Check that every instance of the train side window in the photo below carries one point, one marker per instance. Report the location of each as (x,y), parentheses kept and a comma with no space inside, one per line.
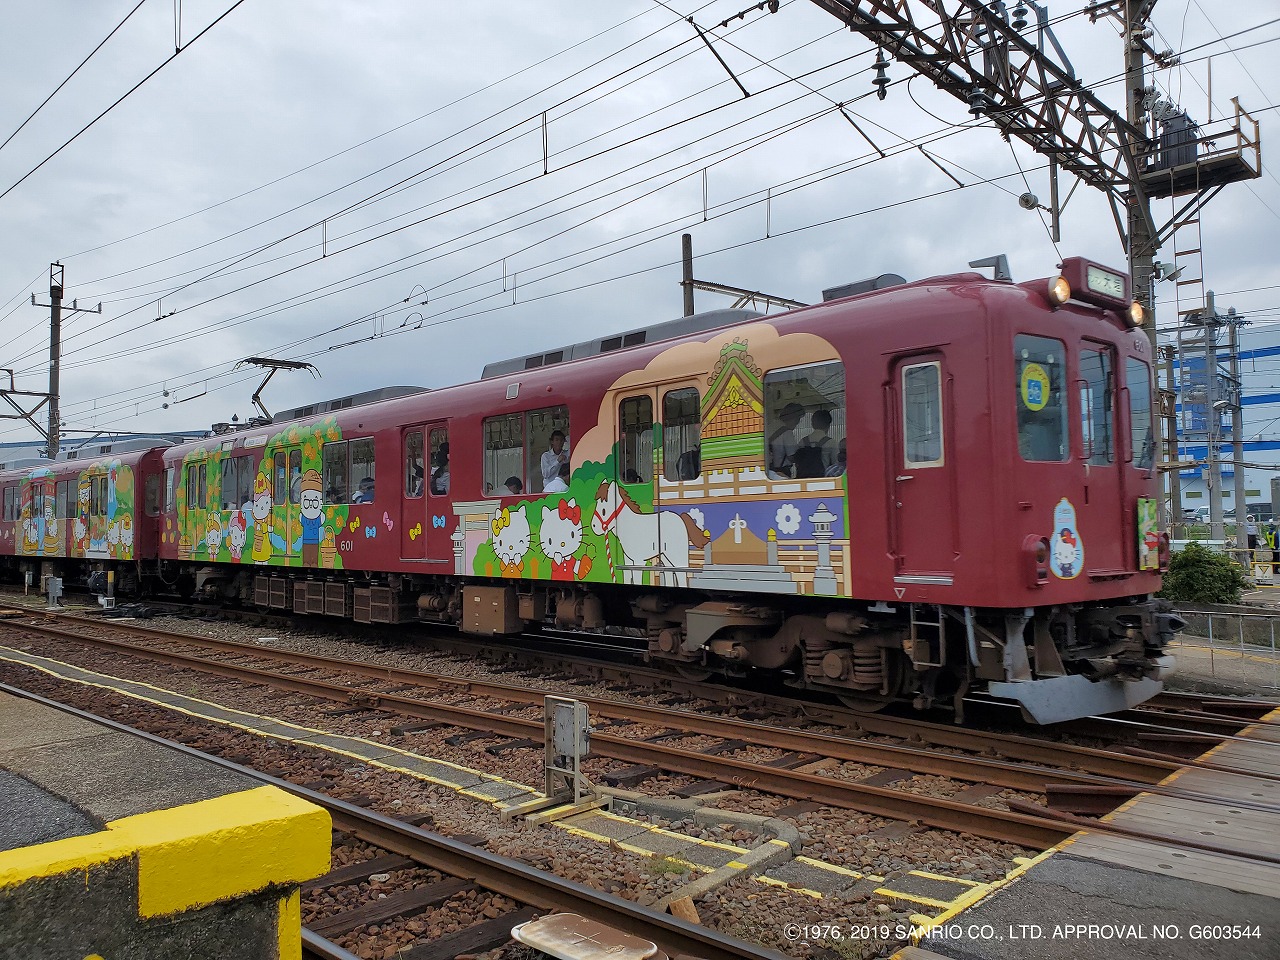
(922,415)
(439,485)
(168,490)
(8,503)
(362,467)
(1039,368)
(539,426)
(503,452)
(1097,390)
(61,501)
(99,494)
(151,503)
(681,434)
(336,486)
(635,423)
(1137,377)
(804,421)
(415,467)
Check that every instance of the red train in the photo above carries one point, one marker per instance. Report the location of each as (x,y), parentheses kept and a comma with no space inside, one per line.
(906,491)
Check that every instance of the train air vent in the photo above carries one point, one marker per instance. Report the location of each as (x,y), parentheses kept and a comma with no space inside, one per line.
(610,343)
(532,363)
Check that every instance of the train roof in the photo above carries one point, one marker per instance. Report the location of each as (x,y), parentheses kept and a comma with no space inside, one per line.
(669,330)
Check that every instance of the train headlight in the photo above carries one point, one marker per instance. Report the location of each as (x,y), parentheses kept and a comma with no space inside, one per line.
(1035,560)
(1059,291)
(1137,315)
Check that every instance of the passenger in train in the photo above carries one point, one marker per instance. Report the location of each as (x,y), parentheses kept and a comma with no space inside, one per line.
(514,485)
(440,475)
(816,452)
(560,482)
(554,458)
(782,442)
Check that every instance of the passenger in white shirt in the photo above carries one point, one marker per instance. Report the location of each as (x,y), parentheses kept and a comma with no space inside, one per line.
(560,482)
(554,458)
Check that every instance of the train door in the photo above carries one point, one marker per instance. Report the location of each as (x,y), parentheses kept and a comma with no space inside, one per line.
(921,462)
(1106,527)
(634,517)
(425,505)
(286,481)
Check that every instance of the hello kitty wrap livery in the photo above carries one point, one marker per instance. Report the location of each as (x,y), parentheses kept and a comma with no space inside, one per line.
(561,537)
(510,540)
(236,535)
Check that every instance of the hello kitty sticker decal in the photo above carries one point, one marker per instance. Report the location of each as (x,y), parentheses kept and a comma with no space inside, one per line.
(1066,548)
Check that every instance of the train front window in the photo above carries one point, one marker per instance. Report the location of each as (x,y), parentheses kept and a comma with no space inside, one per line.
(1039,368)
(1097,422)
(1137,377)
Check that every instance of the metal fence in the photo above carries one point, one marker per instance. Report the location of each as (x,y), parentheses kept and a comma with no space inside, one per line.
(1230,646)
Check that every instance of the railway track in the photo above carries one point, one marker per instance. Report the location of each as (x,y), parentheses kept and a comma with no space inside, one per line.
(468,867)
(1029,824)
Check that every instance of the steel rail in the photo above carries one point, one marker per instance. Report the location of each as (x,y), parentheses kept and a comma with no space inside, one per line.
(1026,828)
(502,875)
(1029,831)
(919,759)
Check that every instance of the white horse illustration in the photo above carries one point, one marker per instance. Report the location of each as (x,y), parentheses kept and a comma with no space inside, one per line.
(647,539)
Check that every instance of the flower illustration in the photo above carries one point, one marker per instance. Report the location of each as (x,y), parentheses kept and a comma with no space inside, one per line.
(788,518)
(696,516)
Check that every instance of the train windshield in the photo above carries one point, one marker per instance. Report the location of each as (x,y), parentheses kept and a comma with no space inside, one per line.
(1039,363)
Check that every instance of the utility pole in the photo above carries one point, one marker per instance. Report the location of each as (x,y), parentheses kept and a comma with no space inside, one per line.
(1142,238)
(1237,433)
(1213,468)
(53,437)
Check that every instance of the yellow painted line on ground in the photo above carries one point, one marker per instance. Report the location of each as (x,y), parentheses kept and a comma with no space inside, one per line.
(47,665)
(1228,652)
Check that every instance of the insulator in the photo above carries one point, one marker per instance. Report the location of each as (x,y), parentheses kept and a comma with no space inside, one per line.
(1019,16)
(881,80)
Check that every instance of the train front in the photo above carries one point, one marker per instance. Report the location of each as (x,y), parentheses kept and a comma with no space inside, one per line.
(1081,498)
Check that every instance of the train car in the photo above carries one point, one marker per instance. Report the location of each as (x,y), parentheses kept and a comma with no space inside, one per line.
(89,514)
(907,491)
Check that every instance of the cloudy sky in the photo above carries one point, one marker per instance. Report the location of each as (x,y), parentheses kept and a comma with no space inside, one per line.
(400,192)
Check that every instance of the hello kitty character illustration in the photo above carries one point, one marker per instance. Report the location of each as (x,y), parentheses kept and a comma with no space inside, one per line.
(561,537)
(236,535)
(126,535)
(1064,553)
(261,551)
(510,539)
(113,537)
(50,525)
(213,537)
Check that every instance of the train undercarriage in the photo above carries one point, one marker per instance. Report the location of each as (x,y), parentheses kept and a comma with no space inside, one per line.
(1058,663)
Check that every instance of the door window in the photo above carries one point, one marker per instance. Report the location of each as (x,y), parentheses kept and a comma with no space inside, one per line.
(414,465)
(635,456)
(1097,389)
(922,415)
(681,432)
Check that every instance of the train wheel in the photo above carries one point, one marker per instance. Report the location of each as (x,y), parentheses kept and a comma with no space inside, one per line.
(185,586)
(863,704)
(692,672)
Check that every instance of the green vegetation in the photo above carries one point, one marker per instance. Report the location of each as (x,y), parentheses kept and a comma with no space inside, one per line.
(662,865)
(1199,575)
